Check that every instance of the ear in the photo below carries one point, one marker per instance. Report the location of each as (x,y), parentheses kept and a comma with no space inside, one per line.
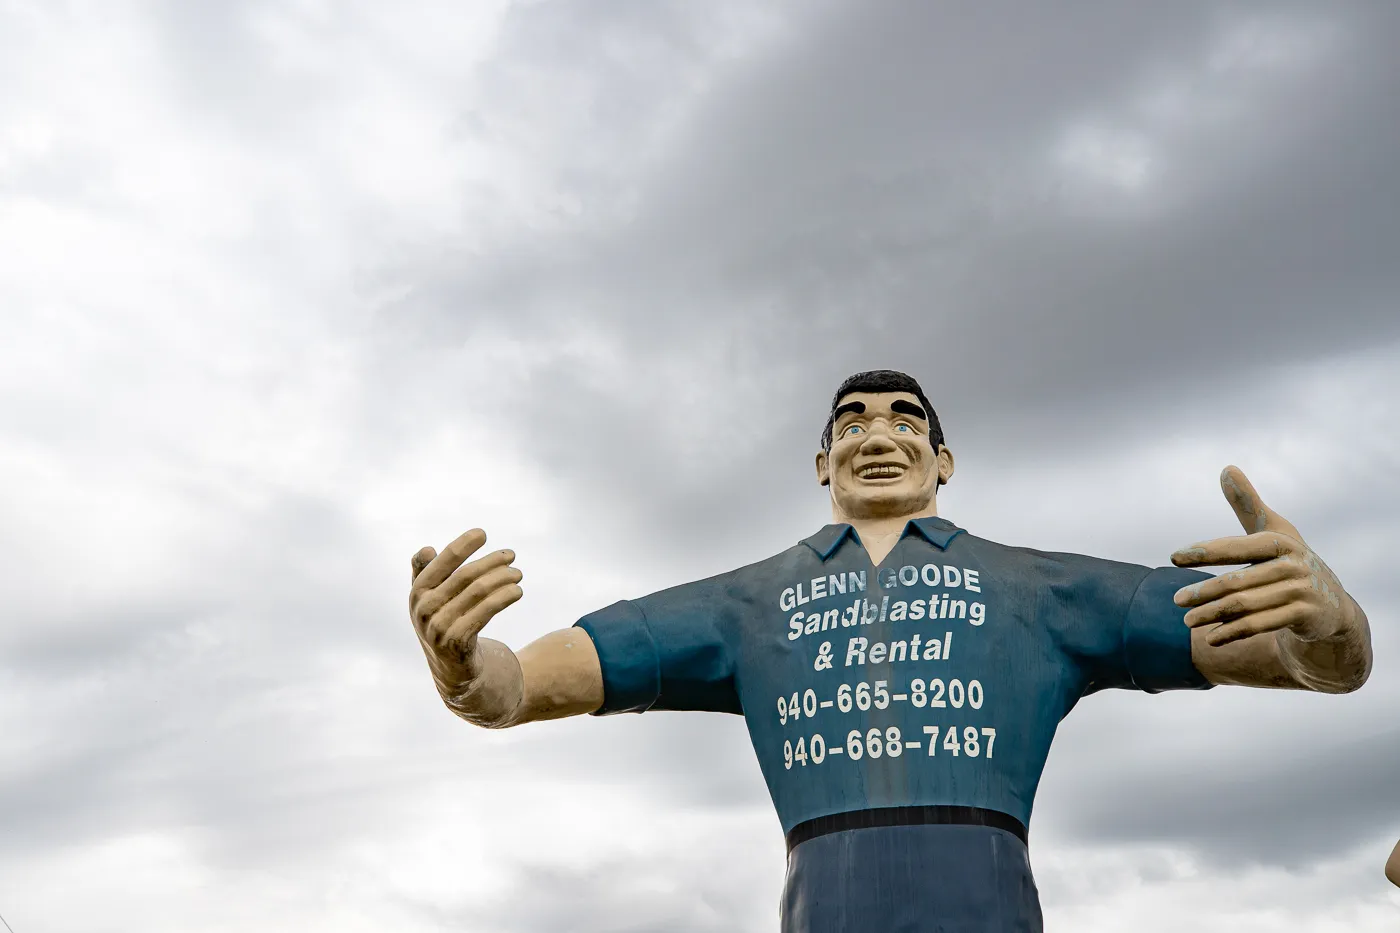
(823,469)
(945,465)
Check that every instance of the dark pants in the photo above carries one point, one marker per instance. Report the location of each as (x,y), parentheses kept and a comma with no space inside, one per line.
(911,879)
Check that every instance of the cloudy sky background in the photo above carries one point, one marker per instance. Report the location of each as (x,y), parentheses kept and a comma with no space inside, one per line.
(291,289)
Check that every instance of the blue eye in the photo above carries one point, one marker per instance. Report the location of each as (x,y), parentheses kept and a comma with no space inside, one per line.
(853,429)
(903,427)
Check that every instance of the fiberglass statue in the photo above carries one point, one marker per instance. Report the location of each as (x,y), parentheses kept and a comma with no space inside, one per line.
(902,678)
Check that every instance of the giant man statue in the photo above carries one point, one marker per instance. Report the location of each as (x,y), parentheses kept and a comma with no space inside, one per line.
(902,678)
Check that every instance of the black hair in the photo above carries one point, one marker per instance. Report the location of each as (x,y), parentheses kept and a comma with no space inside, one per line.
(883,380)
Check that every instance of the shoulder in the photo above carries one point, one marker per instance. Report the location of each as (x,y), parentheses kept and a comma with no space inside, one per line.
(1052,566)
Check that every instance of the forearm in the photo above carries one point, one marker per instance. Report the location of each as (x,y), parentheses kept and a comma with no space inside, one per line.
(562,676)
(1339,663)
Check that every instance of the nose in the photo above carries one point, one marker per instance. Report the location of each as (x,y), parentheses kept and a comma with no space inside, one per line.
(877,440)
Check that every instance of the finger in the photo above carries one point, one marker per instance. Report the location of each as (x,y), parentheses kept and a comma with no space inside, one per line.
(442,594)
(421,560)
(1257,623)
(1238,605)
(451,558)
(475,619)
(442,620)
(1212,588)
(1244,549)
(1249,508)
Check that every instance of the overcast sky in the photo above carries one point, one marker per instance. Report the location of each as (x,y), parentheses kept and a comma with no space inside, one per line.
(291,289)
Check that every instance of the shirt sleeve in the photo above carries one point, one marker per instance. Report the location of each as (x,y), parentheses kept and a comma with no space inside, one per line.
(1119,622)
(666,651)
(1156,641)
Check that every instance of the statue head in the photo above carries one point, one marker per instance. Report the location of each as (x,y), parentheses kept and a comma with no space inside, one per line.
(882,449)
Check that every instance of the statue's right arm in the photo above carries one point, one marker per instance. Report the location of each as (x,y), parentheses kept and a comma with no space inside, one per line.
(1392,866)
(482,680)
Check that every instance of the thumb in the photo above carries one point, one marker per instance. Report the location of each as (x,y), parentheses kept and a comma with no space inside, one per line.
(422,559)
(1253,514)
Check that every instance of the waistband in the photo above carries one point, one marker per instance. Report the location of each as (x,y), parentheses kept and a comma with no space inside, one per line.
(905,816)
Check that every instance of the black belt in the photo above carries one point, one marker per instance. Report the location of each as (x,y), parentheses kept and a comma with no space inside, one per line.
(905,816)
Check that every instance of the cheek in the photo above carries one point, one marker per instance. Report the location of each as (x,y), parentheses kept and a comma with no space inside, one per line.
(919,454)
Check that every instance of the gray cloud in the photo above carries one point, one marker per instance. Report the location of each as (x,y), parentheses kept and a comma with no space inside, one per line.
(779,236)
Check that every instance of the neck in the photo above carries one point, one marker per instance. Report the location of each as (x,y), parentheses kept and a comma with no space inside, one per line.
(880,534)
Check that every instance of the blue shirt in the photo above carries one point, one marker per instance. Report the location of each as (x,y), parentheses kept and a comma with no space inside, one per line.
(933,683)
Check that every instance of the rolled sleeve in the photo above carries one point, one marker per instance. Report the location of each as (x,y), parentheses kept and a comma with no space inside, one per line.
(628,657)
(1157,643)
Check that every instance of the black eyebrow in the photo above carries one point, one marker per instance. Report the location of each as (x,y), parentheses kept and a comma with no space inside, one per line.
(857,408)
(908,408)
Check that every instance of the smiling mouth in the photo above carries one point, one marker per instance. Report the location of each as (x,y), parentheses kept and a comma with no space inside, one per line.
(878,471)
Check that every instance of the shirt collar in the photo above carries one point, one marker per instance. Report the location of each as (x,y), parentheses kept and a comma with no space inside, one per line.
(937,531)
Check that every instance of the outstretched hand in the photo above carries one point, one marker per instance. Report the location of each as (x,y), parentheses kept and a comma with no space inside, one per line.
(450,602)
(1285,586)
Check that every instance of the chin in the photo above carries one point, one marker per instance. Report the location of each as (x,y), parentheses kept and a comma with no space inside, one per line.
(871,503)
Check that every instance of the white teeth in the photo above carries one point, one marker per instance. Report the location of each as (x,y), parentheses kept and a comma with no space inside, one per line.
(873,471)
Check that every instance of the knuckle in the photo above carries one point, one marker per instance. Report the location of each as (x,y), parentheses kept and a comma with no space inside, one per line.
(433,634)
(428,611)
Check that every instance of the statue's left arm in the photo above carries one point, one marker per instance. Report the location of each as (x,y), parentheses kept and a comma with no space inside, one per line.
(1282,621)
